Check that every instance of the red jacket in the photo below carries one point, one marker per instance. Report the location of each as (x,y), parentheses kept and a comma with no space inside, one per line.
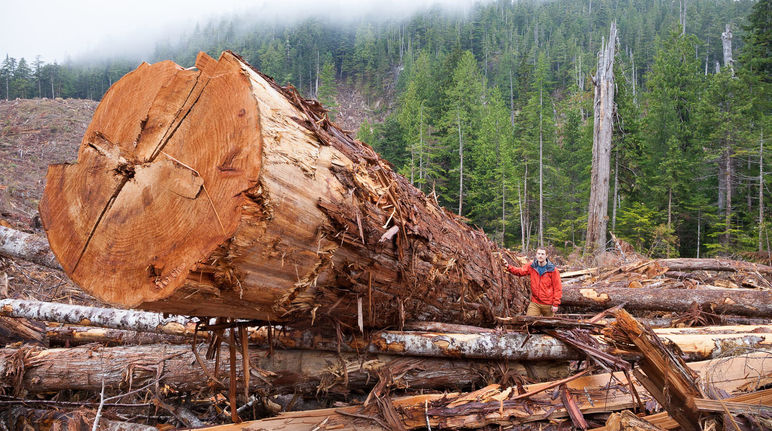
(545,289)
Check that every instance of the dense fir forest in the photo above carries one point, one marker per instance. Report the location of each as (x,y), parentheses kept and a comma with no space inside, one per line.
(474,97)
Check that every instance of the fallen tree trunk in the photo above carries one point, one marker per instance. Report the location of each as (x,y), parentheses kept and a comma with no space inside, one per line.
(77,335)
(214,192)
(509,345)
(22,245)
(97,316)
(691,264)
(14,330)
(283,371)
(753,303)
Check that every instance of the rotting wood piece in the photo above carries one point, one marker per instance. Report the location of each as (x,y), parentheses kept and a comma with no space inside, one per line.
(284,371)
(15,330)
(667,377)
(742,302)
(214,192)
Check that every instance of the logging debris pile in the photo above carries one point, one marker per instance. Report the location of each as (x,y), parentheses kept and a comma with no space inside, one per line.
(331,294)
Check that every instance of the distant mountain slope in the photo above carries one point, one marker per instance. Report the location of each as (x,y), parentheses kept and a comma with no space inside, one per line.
(33,134)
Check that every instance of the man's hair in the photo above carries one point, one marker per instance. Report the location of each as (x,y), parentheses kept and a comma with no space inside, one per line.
(541,248)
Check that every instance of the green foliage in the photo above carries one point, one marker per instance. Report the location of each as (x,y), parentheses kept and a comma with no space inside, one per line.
(489,83)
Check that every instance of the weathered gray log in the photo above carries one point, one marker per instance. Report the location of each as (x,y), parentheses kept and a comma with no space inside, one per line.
(509,345)
(689,264)
(22,245)
(743,302)
(103,317)
(284,371)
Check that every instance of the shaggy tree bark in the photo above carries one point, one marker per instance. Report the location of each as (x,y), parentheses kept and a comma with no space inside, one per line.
(597,217)
(214,192)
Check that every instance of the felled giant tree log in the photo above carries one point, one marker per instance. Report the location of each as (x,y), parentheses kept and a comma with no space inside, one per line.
(743,302)
(214,192)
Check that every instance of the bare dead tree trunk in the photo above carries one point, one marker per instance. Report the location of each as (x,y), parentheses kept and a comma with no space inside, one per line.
(597,218)
(460,165)
(761,187)
(726,40)
(682,16)
(728,201)
(616,191)
(541,176)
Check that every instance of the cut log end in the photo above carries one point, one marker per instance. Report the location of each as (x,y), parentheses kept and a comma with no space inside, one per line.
(159,181)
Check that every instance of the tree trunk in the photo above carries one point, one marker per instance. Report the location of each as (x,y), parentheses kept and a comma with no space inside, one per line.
(742,302)
(616,192)
(686,264)
(215,192)
(22,245)
(284,371)
(597,218)
(96,316)
(15,330)
(541,176)
(761,189)
(726,42)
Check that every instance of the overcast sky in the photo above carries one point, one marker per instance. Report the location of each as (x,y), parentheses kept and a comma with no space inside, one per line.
(68,29)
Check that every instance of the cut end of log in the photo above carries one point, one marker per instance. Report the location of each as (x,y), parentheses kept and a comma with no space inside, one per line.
(159,181)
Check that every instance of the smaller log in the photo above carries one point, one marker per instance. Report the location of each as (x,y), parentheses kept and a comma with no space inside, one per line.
(15,330)
(22,245)
(691,264)
(752,303)
(103,317)
(68,336)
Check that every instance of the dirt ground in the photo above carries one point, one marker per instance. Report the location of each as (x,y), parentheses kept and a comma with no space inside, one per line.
(33,134)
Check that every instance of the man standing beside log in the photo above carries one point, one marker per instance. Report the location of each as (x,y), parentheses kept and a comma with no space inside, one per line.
(546,288)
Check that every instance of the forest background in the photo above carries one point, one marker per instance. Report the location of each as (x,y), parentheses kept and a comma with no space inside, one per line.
(490,111)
